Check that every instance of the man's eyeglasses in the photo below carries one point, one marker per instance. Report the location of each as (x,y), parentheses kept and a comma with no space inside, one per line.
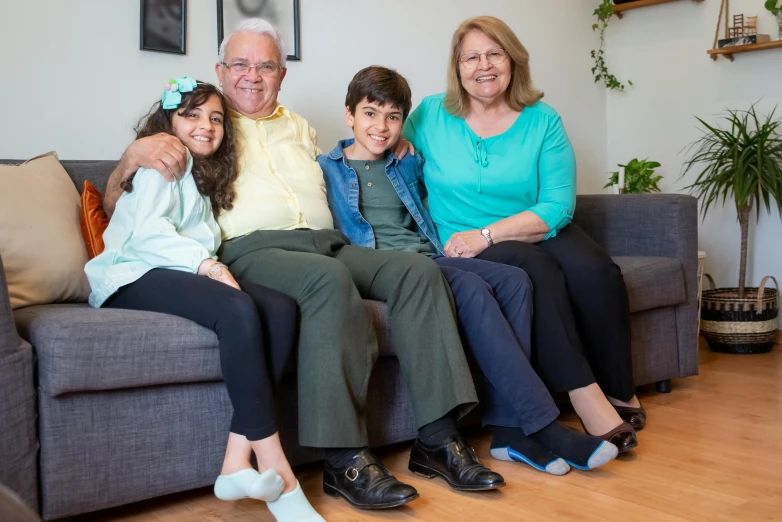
(241,68)
(493,56)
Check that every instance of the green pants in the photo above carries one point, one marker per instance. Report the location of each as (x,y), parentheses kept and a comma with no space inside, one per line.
(337,343)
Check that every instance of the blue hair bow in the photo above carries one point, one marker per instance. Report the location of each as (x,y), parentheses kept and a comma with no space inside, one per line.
(172,96)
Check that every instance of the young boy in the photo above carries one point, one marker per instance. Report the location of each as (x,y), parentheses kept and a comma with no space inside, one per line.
(377,202)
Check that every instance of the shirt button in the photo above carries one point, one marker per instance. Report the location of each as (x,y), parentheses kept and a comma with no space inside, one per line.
(359,220)
(353,185)
(369,184)
(366,167)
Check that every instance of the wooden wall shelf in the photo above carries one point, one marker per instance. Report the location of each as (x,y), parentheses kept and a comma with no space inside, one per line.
(618,9)
(728,52)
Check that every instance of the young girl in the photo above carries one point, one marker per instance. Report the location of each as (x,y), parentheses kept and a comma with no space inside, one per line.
(160,257)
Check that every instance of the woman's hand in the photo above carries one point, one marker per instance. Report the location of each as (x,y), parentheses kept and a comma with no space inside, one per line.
(217,271)
(466,244)
(402,147)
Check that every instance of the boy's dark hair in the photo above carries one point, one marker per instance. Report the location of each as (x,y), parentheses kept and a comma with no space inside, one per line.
(214,175)
(379,85)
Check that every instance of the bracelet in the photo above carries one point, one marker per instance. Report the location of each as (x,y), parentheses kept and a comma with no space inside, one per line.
(215,271)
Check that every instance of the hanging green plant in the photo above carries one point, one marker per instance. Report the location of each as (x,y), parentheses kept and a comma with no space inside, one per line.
(603,13)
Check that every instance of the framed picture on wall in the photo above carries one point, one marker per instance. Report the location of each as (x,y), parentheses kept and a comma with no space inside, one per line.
(283,14)
(163,26)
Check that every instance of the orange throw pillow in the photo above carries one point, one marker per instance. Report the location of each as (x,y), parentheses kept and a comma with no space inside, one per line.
(93,219)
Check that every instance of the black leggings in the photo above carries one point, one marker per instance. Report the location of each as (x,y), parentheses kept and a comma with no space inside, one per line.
(256,331)
(581,313)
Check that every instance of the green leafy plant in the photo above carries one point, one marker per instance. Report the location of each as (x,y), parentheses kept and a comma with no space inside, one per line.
(603,13)
(639,177)
(741,161)
(774,6)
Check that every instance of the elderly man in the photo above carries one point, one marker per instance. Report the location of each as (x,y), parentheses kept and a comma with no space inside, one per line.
(280,234)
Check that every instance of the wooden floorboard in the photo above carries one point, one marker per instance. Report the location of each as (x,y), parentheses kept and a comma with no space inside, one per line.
(712,452)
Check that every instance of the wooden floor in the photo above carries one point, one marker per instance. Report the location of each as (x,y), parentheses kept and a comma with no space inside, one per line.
(712,452)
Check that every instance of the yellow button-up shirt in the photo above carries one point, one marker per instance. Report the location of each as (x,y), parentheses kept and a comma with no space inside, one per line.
(280,185)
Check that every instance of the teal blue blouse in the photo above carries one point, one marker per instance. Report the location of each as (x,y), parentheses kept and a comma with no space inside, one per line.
(473,181)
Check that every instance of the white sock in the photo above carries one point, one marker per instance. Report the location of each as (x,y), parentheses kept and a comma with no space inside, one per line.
(294,507)
(248,483)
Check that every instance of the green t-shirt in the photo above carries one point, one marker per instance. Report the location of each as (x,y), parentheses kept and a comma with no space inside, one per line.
(381,206)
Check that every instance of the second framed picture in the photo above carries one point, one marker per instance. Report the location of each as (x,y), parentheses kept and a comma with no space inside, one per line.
(283,14)
(163,26)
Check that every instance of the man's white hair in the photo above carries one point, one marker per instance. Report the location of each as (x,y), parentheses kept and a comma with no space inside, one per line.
(258,26)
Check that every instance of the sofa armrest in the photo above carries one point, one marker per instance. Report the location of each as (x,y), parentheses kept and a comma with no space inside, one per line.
(664,225)
(18,440)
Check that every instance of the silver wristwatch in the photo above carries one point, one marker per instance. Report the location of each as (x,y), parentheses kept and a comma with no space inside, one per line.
(487,235)
(215,271)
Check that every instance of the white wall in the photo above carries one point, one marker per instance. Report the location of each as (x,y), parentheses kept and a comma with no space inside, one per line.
(662,49)
(76,81)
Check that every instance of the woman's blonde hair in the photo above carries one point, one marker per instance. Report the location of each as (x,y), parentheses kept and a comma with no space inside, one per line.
(520,93)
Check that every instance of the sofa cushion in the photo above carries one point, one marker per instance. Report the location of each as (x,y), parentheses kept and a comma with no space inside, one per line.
(81,348)
(652,282)
(93,220)
(40,237)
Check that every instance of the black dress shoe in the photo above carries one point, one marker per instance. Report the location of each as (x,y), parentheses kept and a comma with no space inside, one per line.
(456,462)
(367,484)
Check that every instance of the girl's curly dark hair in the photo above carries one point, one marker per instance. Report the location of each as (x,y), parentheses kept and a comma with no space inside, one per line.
(214,175)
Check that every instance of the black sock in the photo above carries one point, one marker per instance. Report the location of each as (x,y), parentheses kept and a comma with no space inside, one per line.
(573,446)
(531,452)
(340,457)
(437,432)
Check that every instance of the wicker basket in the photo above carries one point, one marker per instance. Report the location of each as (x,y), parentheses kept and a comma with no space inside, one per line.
(734,325)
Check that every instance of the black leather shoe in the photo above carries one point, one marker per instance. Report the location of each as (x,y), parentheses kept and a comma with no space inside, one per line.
(456,462)
(367,484)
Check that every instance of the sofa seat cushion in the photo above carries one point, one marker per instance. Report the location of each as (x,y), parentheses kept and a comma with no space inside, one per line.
(652,282)
(81,348)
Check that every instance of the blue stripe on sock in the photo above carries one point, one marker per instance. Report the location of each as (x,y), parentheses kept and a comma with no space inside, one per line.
(518,457)
(586,468)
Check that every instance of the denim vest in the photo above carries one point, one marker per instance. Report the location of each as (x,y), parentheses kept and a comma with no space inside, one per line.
(342,194)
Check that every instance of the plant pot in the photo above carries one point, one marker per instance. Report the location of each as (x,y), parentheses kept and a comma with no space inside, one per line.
(734,325)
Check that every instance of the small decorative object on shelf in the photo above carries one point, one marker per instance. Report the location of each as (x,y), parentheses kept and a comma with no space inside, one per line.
(743,40)
(743,36)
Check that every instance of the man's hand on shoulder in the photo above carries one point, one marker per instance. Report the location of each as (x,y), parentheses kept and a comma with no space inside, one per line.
(162,152)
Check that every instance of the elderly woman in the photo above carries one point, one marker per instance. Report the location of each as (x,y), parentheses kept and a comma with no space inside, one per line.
(501,177)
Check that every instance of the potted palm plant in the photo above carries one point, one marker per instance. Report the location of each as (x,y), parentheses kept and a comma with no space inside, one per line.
(741,160)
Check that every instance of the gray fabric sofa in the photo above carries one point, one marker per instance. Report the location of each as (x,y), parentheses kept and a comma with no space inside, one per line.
(106,407)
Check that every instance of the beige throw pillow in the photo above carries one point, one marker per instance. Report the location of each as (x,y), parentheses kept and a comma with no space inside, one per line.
(40,236)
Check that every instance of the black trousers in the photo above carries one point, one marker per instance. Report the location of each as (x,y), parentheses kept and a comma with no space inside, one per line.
(256,331)
(581,313)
